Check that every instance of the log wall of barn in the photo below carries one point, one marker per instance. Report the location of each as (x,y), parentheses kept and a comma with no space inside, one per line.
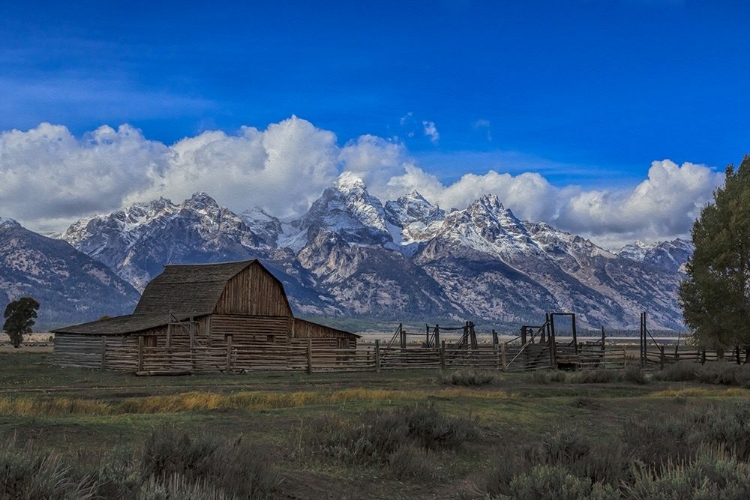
(82,351)
(250,330)
(253,292)
(323,336)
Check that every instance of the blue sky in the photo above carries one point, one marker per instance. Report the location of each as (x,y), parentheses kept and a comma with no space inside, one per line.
(583,92)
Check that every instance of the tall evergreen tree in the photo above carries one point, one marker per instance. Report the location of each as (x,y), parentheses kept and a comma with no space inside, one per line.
(715,299)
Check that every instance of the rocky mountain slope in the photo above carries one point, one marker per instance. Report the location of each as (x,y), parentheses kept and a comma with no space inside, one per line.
(69,285)
(352,255)
(670,255)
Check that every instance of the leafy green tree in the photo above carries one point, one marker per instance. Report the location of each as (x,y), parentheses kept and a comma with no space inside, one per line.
(19,318)
(715,299)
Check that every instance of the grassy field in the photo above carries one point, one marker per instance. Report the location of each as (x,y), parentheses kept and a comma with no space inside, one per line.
(310,428)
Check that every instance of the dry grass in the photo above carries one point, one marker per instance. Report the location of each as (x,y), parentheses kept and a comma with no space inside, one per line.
(209,401)
(700,392)
(56,407)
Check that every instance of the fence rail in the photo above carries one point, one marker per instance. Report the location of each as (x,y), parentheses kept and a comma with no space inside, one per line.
(237,358)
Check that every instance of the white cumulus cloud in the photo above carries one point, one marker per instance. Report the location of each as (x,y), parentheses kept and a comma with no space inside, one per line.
(431,131)
(49,178)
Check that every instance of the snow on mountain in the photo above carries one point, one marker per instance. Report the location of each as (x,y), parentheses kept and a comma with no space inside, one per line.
(412,220)
(670,255)
(347,209)
(70,286)
(267,227)
(7,222)
(352,255)
(138,241)
(530,267)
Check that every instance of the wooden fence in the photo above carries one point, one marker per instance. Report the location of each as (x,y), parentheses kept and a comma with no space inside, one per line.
(661,356)
(243,359)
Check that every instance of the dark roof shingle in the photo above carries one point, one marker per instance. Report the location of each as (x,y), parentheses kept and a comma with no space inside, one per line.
(121,325)
(190,289)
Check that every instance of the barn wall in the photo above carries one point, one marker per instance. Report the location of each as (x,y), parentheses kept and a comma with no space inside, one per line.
(324,336)
(249,330)
(253,292)
(82,351)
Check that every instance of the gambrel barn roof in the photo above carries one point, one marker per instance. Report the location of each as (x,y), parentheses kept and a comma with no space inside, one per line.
(193,290)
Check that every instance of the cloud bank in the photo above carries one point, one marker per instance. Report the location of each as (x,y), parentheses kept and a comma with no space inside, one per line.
(49,178)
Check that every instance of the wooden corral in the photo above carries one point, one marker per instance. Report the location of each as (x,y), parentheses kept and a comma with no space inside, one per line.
(204,317)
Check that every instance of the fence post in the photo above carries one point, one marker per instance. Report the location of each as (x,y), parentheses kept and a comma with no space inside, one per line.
(504,355)
(495,339)
(229,353)
(377,355)
(497,355)
(437,335)
(309,356)
(661,357)
(104,352)
(140,353)
(442,356)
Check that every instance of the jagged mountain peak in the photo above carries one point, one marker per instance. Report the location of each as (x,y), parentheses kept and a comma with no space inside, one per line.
(200,200)
(8,222)
(488,212)
(349,182)
(348,209)
(266,226)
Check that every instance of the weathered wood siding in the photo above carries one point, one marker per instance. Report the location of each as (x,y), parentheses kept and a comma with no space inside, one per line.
(336,338)
(83,351)
(253,292)
(250,330)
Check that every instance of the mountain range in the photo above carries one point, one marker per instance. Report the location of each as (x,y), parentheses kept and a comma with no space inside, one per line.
(351,255)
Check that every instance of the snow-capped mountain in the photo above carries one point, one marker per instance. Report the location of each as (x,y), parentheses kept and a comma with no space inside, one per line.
(138,241)
(412,220)
(347,209)
(69,285)
(352,255)
(670,255)
(265,226)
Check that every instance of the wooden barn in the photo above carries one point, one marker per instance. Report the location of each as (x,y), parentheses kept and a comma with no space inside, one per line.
(207,317)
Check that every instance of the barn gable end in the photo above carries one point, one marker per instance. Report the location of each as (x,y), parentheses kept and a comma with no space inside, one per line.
(253,291)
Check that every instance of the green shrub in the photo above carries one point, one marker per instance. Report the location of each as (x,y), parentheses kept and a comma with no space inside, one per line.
(655,442)
(716,372)
(179,487)
(682,371)
(29,474)
(546,377)
(712,474)
(555,482)
(576,453)
(410,462)
(468,378)
(233,468)
(118,475)
(382,433)
(635,374)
